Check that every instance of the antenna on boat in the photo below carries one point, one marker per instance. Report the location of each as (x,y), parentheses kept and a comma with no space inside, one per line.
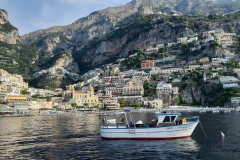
(202,129)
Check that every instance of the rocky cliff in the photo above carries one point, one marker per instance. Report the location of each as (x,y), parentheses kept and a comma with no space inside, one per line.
(202,93)
(45,69)
(8,33)
(59,71)
(112,33)
(92,29)
(155,33)
(3,17)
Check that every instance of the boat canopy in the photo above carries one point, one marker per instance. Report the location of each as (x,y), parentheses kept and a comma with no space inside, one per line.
(167,117)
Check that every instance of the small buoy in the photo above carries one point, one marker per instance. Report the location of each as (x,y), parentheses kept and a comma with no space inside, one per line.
(222,134)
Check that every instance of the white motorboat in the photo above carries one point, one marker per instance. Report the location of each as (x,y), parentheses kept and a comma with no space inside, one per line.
(227,111)
(215,111)
(202,111)
(165,127)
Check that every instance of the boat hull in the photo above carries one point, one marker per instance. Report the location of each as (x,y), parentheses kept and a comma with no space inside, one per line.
(149,133)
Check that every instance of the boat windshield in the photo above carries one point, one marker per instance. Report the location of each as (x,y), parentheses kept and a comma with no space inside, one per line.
(169,119)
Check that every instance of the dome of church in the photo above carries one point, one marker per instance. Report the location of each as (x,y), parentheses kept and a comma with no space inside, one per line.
(90,88)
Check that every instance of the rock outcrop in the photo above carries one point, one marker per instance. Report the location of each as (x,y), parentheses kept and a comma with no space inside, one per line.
(3,17)
(201,93)
(8,33)
(62,72)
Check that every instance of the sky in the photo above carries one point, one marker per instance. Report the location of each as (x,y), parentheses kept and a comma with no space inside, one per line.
(32,15)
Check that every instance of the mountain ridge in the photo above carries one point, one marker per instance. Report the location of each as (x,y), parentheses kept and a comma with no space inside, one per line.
(98,23)
(109,34)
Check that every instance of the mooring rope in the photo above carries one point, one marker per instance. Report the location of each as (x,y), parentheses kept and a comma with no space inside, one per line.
(203,129)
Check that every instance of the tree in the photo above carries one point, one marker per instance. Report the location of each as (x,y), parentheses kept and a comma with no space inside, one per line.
(48,99)
(156,77)
(135,105)
(86,104)
(74,105)
(122,103)
(95,106)
(25,92)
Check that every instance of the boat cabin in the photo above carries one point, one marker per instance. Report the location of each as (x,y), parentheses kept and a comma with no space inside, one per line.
(166,119)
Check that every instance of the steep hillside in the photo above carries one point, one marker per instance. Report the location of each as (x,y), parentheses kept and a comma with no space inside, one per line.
(109,34)
(150,30)
(33,62)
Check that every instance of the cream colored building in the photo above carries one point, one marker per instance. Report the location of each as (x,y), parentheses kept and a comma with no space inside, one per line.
(4,88)
(134,87)
(81,97)
(17,99)
(13,79)
(204,60)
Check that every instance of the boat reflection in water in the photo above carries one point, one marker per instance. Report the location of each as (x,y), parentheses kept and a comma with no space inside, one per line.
(186,148)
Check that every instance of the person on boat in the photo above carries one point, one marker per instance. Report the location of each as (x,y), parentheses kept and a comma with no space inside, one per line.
(122,121)
(103,121)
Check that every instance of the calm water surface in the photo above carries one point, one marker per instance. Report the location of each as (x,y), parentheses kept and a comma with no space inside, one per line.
(77,137)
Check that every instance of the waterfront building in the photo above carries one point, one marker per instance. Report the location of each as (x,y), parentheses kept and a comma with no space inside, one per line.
(131,100)
(17,99)
(156,103)
(81,97)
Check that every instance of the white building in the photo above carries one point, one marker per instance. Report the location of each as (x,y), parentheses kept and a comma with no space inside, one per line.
(235,99)
(156,103)
(151,50)
(220,60)
(182,40)
(166,71)
(171,44)
(192,39)
(208,39)
(160,45)
(164,88)
(229,81)
(195,48)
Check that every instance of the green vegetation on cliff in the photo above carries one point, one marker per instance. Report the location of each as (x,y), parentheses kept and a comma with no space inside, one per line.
(21,59)
(7,27)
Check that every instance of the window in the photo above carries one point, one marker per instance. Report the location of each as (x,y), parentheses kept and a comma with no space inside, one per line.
(166,119)
(172,118)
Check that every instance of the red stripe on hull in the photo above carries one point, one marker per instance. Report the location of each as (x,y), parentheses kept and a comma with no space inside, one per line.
(144,138)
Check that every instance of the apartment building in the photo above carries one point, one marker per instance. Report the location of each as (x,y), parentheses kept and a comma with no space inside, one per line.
(148,64)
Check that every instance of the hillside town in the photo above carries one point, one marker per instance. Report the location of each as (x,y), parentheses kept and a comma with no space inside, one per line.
(110,88)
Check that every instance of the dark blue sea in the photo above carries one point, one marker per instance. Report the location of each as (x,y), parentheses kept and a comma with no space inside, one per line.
(71,136)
